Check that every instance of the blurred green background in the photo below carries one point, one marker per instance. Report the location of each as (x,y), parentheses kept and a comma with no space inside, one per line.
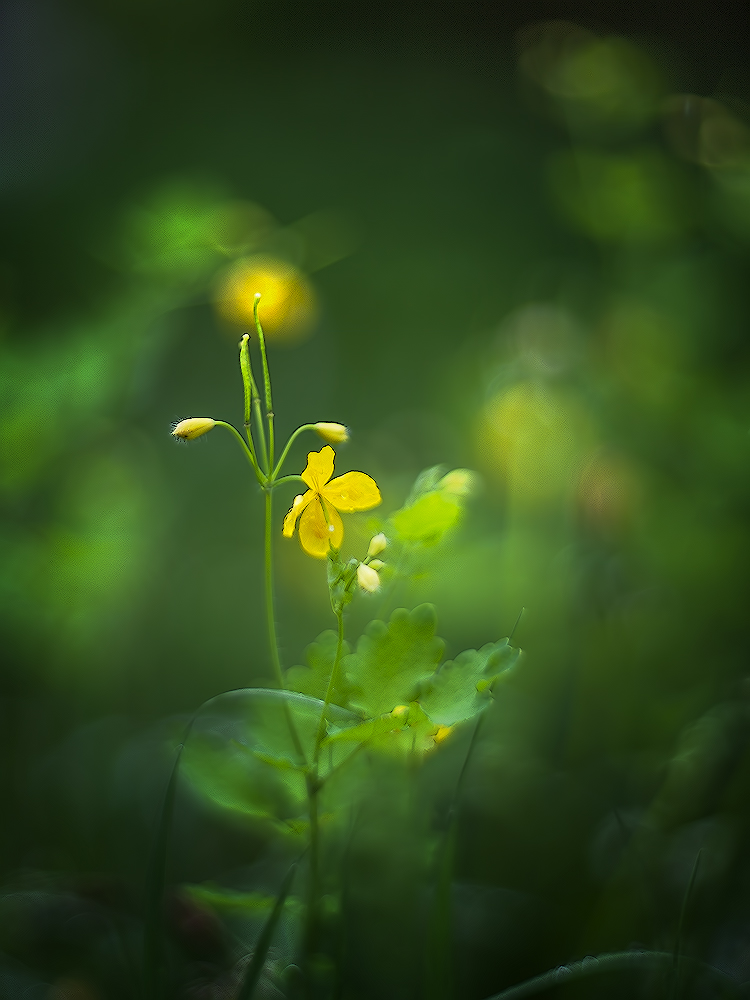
(516,242)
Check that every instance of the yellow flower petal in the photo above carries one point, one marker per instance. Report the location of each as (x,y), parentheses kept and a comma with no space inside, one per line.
(352,491)
(316,533)
(290,521)
(319,468)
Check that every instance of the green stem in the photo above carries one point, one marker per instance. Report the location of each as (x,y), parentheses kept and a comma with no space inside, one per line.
(288,445)
(313,885)
(330,689)
(314,785)
(249,455)
(286,479)
(251,396)
(266,380)
(258,414)
(270,615)
(271,623)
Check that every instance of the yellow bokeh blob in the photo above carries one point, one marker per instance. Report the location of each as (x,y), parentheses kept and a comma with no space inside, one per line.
(288,306)
(530,437)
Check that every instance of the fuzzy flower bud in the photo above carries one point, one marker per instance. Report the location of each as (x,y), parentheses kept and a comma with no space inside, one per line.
(376,564)
(367,578)
(193,427)
(377,545)
(332,433)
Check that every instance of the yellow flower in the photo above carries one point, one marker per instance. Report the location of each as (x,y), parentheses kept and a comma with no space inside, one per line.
(320,525)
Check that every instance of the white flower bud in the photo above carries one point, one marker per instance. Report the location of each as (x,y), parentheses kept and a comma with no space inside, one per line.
(332,433)
(377,545)
(193,427)
(367,578)
(376,564)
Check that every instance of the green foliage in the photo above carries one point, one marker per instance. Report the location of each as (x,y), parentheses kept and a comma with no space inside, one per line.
(428,519)
(405,731)
(392,660)
(313,679)
(463,687)
(230,901)
(243,756)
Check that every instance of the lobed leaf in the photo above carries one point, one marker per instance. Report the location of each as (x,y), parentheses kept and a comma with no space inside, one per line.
(406,730)
(313,679)
(392,661)
(462,687)
(242,755)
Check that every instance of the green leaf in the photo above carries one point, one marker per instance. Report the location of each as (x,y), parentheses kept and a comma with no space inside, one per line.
(313,679)
(462,687)
(406,730)
(241,755)
(255,968)
(229,900)
(233,777)
(426,482)
(392,660)
(428,519)
(365,731)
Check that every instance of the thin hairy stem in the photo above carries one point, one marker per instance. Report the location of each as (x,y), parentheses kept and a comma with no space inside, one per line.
(249,455)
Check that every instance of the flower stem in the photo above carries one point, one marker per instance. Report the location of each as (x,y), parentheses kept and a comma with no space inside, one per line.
(249,455)
(271,623)
(288,445)
(314,784)
(258,413)
(270,615)
(331,686)
(286,479)
(252,398)
(267,382)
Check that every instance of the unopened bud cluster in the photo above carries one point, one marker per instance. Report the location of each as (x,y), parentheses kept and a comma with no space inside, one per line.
(367,571)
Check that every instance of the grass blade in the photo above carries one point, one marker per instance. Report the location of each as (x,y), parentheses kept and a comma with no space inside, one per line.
(623,961)
(153,935)
(257,962)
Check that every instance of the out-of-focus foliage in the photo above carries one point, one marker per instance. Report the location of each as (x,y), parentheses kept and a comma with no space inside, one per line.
(535,266)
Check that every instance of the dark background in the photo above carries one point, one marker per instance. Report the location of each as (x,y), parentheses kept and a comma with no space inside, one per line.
(130,583)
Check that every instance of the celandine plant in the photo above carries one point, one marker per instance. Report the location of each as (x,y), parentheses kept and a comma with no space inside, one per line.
(294,758)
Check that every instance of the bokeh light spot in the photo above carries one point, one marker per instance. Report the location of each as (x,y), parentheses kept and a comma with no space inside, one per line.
(530,437)
(288,307)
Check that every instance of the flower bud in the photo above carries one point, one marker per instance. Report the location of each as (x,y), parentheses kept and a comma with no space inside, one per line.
(377,545)
(442,733)
(400,712)
(376,564)
(193,427)
(367,578)
(332,433)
